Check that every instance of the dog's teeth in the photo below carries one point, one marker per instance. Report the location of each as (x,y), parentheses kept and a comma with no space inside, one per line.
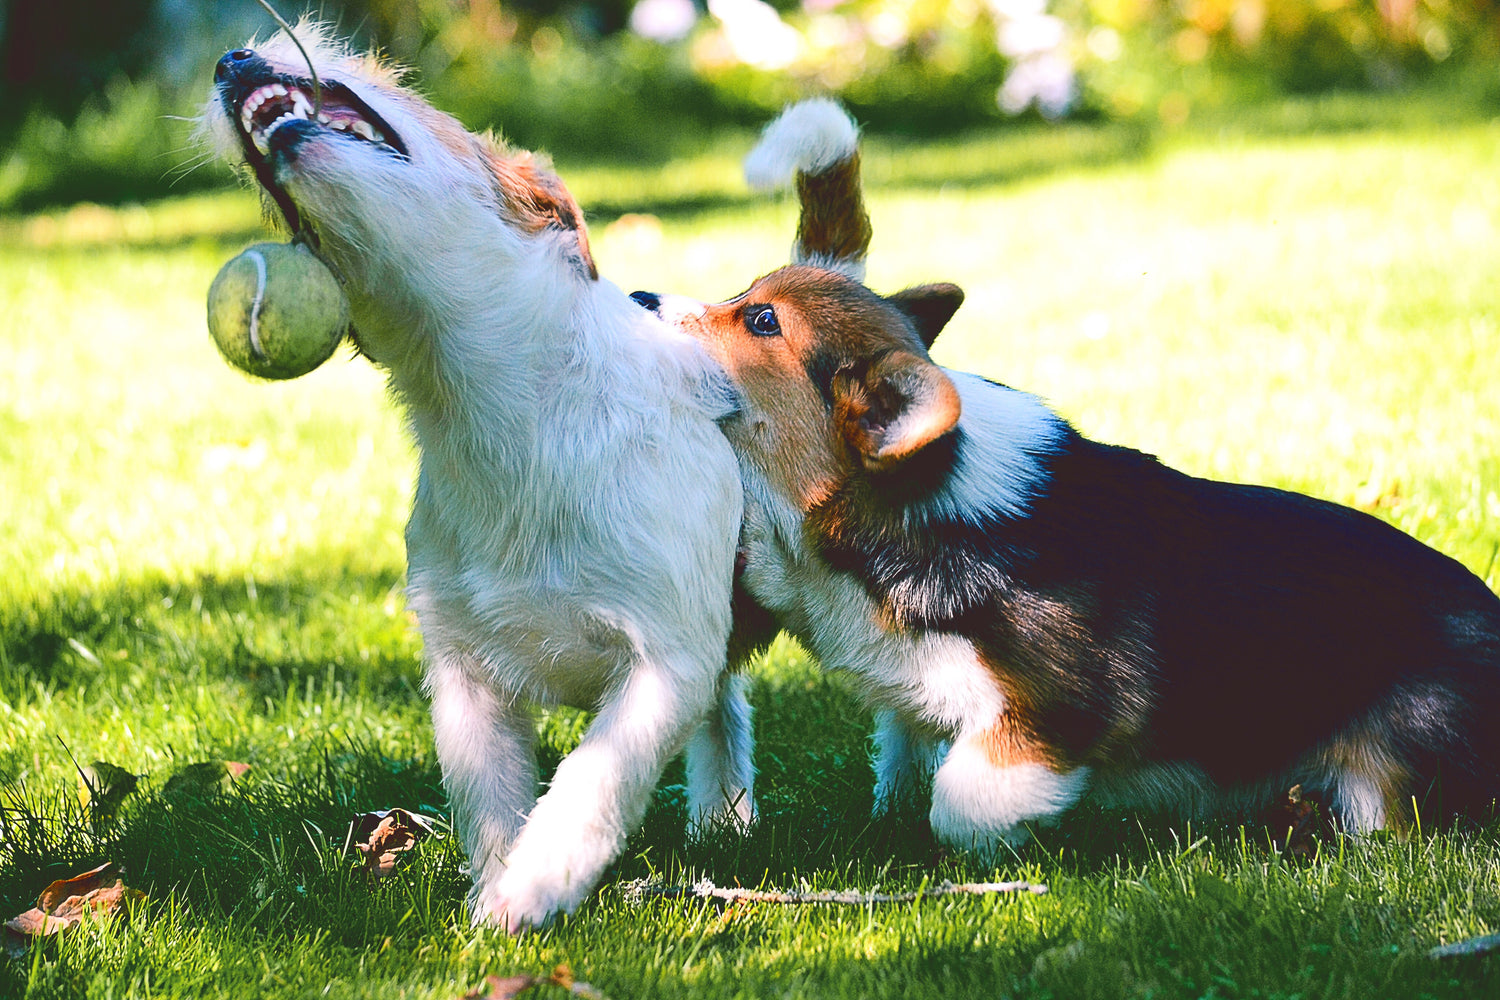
(278,90)
(261,142)
(323,119)
(364,130)
(339,126)
(301,105)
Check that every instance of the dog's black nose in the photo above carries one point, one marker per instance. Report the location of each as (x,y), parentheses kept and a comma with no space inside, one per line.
(648,300)
(234,63)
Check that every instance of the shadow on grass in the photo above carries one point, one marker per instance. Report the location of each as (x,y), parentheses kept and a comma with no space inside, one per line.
(325,620)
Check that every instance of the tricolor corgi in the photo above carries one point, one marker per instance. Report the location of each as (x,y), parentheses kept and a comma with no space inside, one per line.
(573,534)
(1040,617)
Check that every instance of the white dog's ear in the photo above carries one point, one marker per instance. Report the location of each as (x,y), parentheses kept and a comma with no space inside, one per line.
(535,198)
(929,307)
(892,408)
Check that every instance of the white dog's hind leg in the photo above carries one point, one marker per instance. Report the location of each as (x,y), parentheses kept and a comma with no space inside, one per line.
(598,795)
(486,746)
(980,804)
(720,768)
(904,761)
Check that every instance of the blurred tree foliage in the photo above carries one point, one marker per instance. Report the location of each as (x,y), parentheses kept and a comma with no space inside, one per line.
(88,88)
(1161,56)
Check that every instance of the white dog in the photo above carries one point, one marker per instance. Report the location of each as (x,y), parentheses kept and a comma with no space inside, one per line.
(573,533)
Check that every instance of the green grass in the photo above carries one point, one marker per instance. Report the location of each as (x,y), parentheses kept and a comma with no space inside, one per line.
(198,567)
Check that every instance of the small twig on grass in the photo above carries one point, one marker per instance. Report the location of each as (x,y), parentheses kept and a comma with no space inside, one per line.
(853,897)
(1482,945)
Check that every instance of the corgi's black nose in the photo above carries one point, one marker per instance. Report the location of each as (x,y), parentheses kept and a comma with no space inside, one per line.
(647,300)
(235,64)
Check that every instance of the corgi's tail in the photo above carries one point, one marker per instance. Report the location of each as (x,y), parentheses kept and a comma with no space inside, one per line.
(816,143)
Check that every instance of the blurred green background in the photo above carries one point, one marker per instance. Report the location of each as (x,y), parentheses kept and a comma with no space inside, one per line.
(1256,237)
(97,98)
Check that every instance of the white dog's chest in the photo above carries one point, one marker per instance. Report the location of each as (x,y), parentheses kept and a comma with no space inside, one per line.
(560,565)
(518,596)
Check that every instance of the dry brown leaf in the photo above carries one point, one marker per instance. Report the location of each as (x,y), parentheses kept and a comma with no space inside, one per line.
(1299,823)
(104,787)
(386,835)
(35,923)
(64,903)
(78,885)
(495,988)
(203,780)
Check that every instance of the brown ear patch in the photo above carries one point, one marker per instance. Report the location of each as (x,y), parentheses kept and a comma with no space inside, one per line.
(535,199)
(893,407)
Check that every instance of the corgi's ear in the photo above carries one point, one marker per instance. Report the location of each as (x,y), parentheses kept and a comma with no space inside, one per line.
(929,307)
(892,408)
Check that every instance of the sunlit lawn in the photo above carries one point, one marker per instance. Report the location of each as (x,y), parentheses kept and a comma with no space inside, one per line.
(197,567)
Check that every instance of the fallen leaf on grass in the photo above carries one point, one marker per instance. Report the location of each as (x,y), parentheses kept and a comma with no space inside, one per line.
(496,988)
(510,987)
(105,786)
(64,903)
(1299,823)
(384,835)
(203,780)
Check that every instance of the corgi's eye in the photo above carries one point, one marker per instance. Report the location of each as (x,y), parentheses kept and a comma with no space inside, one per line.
(761,321)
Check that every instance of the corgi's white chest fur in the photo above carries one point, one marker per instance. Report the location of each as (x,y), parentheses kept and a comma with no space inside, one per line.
(934,681)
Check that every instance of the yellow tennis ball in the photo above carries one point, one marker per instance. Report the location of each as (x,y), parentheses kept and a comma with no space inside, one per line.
(276,311)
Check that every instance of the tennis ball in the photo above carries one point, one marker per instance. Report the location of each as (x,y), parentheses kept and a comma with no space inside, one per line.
(276,311)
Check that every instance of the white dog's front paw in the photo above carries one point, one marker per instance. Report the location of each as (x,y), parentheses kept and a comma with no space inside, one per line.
(517,904)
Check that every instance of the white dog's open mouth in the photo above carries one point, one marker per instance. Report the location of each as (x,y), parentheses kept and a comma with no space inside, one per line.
(271,107)
(275,114)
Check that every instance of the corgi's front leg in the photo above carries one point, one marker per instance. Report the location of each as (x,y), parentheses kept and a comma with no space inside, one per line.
(985,793)
(720,767)
(904,761)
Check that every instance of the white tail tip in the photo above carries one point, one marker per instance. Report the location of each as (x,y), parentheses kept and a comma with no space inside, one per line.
(808,137)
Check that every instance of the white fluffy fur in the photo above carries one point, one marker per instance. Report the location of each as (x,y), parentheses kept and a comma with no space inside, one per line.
(573,532)
(999,467)
(981,807)
(810,137)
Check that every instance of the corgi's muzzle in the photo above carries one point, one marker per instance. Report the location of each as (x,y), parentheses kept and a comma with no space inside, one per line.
(275,117)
